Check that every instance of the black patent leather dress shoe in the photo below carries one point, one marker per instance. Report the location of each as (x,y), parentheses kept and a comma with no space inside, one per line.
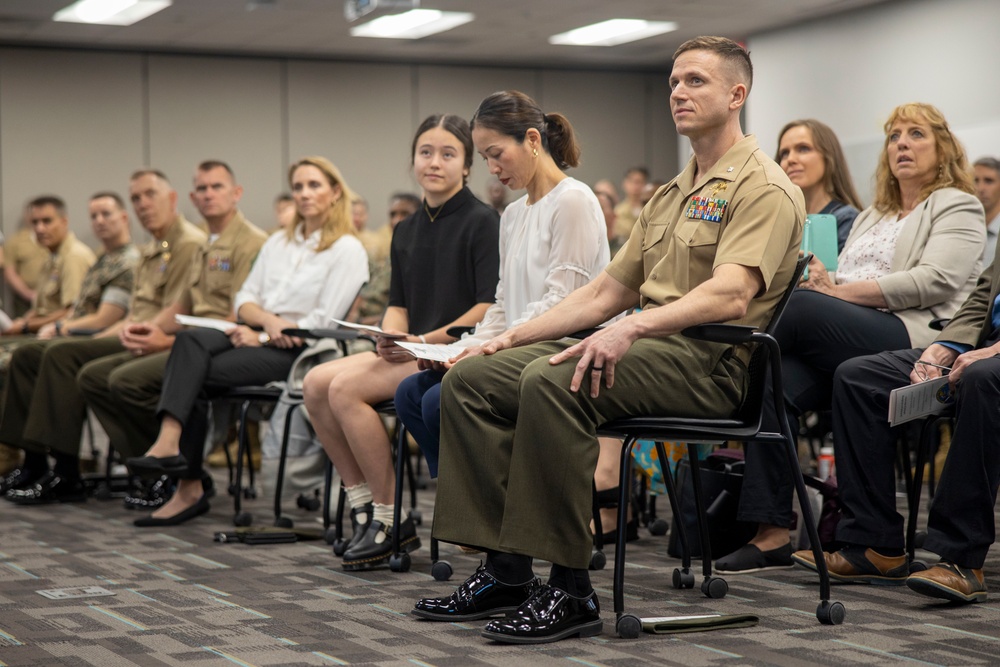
(50,488)
(480,596)
(549,615)
(361,518)
(375,546)
(199,508)
(18,478)
(154,466)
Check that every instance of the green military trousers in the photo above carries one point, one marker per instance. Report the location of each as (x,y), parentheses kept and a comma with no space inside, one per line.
(519,449)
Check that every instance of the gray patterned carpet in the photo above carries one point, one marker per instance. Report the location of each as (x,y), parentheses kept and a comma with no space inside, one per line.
(179,598)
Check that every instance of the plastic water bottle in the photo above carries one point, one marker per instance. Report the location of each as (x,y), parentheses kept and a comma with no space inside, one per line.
(825,462)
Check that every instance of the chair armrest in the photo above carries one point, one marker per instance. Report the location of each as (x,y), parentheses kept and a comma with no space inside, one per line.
(732,334)
(336,334)
(458,332)
(84,332)
(938,324)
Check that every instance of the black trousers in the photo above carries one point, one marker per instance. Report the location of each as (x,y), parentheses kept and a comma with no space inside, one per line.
(960,525)
(817,333)
(203,365)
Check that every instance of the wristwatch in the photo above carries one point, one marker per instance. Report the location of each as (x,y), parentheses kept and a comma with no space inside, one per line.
(263,338)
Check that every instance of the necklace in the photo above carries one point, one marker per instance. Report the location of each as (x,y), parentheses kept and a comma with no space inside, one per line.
(433,216)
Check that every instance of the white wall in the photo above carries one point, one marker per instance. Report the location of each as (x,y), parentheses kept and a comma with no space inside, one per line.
(851,71)
(74,122)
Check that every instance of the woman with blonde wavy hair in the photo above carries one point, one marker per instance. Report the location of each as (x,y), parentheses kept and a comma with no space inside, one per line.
(906,262)
(302,278)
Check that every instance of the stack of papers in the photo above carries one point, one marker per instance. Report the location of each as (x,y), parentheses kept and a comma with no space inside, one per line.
(432,352)
(914,401)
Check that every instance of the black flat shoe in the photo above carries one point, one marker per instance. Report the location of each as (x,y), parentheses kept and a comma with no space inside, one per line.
(375,546)
(153,466)
(549,615)
(50,488)
(361,518)
(18,478)
(480,596)
(195,510)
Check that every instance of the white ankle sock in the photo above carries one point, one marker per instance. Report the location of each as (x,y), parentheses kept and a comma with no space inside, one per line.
(383,513)
(358,495)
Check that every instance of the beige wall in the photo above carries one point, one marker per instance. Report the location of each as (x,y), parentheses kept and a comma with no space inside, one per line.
(74,122)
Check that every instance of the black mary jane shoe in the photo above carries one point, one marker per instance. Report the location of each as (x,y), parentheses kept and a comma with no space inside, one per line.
(199,508)
(18,478)
(50,488)
(155,466)
(479,596)
(361,518)
(375,546)
(549,615)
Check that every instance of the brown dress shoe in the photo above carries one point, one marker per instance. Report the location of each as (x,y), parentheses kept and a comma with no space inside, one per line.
(949,582)
(858,565)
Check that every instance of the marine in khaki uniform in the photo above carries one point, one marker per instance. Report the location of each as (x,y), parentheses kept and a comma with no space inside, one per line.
(69,260)
(518,439)
(24,259)
(123,390)
(53,422)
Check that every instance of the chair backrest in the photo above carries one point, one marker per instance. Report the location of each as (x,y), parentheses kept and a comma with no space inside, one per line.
(750,410)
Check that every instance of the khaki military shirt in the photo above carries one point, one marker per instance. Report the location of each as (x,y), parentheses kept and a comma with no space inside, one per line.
(27,257)
(110,280)
(164,272)
(743,211)
(221,268)
(63,276)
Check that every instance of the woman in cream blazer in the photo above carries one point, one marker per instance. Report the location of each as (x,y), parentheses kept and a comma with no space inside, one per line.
(911,257)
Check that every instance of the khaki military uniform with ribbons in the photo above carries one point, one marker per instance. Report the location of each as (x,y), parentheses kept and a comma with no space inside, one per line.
(63,276)
(519,449)
(123,390)
(48,410)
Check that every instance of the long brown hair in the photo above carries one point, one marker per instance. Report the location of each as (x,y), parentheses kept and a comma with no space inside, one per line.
(512,113)
(338,220)
(836,176)
(953,165)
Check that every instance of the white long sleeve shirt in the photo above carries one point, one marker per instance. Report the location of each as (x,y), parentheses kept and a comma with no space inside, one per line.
(293,281)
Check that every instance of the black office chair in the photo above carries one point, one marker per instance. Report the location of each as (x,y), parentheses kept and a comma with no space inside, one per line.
(745,425)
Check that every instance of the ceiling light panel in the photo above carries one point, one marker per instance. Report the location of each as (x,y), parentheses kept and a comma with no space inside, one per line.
(413,24)
(612,32)
(110,12)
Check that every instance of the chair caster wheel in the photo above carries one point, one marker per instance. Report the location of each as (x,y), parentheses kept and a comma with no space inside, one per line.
(250,493)
(243,519)
(102,492)
(918,539)
(330,535)
(339,547)
(441,570)
(416,517)
(830,613)
(628,626)
(714,587)
(917,566)
(598,560)
(659,527)
(231,489)
(400,563)
(283,522)
(683,578)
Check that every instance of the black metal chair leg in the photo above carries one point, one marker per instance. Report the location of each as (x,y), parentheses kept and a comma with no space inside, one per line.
(624,476)
(699,504)
(279,482)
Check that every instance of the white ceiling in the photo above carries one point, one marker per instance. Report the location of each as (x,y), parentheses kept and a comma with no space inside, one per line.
(505,32)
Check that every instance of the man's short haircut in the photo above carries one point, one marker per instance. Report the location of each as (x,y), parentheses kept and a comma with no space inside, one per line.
(49,200)
(284,197)
(989,163)
(209,165)
(149,171)
(358,199)
(119,202)
(731,53)
(407,197)
(638,170)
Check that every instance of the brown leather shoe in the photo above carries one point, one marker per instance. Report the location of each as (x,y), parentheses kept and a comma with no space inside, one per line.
(949,582)
(858,565)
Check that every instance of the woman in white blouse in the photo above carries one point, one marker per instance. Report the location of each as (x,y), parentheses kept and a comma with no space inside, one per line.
(910,258)
(303,278)
(552,241)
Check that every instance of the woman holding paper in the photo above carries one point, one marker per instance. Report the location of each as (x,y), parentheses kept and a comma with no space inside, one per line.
(811,156)
(302,278)
(444,274)
(906,262)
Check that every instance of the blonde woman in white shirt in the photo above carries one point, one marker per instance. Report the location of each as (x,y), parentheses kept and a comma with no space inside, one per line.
(302,278)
